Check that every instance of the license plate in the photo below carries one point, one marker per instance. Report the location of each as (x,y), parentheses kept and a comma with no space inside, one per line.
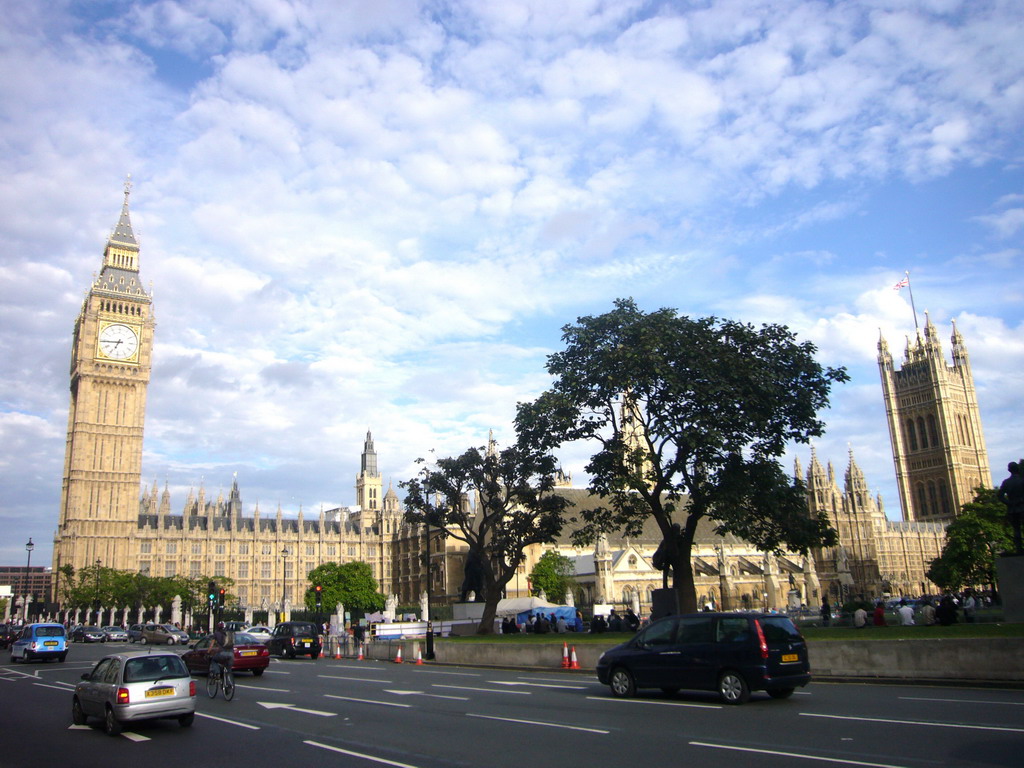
(51,643)
(152,692)
(790,657)
(305,641)
(247,653)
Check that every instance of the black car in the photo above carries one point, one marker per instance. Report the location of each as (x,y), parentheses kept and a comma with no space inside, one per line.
(8,633)
(295,638)
(88,635)
(731,653)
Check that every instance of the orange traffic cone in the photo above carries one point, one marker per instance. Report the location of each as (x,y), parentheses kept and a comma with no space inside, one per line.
(419,656)
(574,662)
(337,651)
(398,656)
(565,656)
(360,656)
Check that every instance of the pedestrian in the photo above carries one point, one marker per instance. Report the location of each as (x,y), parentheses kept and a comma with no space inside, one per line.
(560,626)
(860,617)
(970,606)
(578,624)
(826,613)
(632,620)
(945,614)
(927,613)
(878,617)
(906,614)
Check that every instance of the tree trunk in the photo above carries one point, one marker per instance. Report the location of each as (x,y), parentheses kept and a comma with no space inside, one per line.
(682,581)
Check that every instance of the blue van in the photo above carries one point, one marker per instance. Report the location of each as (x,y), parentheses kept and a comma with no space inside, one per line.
(40,641)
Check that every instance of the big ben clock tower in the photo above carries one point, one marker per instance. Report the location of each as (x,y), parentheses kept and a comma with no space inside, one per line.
(111,354)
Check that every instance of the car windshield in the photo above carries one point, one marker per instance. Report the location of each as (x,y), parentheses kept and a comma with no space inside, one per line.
(241,638)
(50,632)
(150,668)
(112,629)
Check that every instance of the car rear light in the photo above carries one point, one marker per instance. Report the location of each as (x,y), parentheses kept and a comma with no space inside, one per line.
(191,687)
(264,651)
(761,640)
(122,696)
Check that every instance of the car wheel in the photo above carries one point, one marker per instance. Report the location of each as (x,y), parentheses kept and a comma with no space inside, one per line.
(289,653)
(104,639)
(622,683)
(185,721)
(733,688)
(315,655)
(111,724)
(781,693)
(257,672)
(77,714)
(170,641)
(142,640)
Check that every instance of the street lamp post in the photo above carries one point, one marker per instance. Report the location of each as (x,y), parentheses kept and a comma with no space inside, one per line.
(28,574)
(284,579)
(96,602)
(430,578)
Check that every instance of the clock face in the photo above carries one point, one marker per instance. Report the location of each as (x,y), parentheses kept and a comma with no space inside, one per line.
(118,342)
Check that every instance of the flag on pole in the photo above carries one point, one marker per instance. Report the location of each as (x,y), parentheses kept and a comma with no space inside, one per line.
(901,284)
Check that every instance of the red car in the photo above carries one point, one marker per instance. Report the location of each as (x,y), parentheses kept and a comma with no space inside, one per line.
(250,655)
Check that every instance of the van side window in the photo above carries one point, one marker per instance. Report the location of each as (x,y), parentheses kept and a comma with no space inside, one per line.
(733,630)
(694,630)
(660,633)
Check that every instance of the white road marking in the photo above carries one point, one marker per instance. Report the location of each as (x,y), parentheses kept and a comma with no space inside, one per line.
(917,722)
(229,722)
(79,728)
(964,701)
(443,672)
(368,701)
(358,679)
(548,679)
(358,754)
(485,690)
(540,685)
(422,693)
(135,736)
(660,703)
(293,708)
(840,760)
(56,686)
(537,722)
(252,687)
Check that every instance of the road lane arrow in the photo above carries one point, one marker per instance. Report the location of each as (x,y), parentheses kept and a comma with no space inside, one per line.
(293,708)
(424,693)
(540,685)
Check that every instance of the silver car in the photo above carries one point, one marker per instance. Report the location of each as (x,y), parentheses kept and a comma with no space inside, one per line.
(127,687)
(115,634)
(159,634)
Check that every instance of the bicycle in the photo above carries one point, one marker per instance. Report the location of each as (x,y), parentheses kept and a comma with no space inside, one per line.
(223,679)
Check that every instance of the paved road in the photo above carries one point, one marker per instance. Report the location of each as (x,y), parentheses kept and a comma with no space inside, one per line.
(349,713)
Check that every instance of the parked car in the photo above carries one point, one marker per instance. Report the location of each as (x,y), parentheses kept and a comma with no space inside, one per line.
(295,638)
(260,633)
(160,634)
(116,634)
(40,641)
(9,632)
(88,635)
(135,633)
(127,687)
(732,653)
(250,655)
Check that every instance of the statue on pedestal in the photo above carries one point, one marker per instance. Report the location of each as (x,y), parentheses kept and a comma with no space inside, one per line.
(473,578)
(1011,493)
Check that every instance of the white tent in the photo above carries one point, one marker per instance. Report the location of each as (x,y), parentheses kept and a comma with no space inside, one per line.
(516,605)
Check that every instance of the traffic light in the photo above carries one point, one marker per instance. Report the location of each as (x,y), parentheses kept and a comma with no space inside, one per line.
(211,594)
(220,597)
(319,596)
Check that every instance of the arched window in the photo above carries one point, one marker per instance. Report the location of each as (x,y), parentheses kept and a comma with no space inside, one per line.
(933,497)
(922,500)
(947,507)
(921,433)
(911,435)
(933,435)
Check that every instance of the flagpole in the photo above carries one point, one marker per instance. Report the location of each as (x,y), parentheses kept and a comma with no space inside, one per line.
(912,307)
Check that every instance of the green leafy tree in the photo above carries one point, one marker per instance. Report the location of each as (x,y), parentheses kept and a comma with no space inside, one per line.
(516,507)
(973,541)
(553,574)
(351,584)
(690,417)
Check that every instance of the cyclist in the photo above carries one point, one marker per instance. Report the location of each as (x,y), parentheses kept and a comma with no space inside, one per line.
(222,653)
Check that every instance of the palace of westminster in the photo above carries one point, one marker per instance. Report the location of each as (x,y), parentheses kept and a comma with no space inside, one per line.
(108,516)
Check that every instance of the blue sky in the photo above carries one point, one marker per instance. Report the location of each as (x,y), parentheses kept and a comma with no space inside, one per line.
(379,215)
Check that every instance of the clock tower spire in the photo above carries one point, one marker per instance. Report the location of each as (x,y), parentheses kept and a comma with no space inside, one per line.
(111,354)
